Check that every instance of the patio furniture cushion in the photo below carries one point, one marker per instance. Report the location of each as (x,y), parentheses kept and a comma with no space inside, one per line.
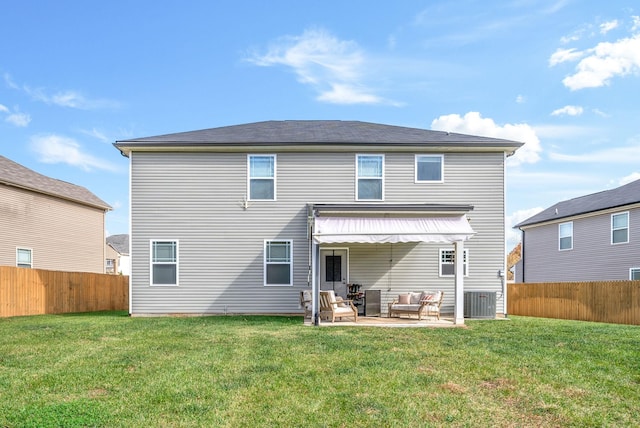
(404,299)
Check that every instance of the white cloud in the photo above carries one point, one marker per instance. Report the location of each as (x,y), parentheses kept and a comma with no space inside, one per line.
(473,123)
(19,119)
(70,99)
(513,235)
(520,99)
(336,68)
(15,118)
(629,178)
(605,27)
(564,55)
(604,62)
(568,110)
(636,24)
(96,133)
(611,155)
(53,148)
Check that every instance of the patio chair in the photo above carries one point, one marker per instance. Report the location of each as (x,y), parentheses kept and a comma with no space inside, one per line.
(332,307)
(305,302)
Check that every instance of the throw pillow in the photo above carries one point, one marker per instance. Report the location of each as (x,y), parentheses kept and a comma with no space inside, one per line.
(404,299)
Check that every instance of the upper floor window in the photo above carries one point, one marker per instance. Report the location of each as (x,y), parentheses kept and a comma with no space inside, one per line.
(23,257)
(565,236)
(620,228)
(634,274)
(447,263)
(261,177)
(164,262)
(429,168)
(370,177)
(278,262)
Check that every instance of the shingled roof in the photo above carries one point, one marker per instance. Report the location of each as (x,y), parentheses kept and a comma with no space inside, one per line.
(315,132)
(16,175)
(120,243)
(607,199)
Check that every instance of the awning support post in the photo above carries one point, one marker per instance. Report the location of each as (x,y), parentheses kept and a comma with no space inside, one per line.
(458,305)
(315,292)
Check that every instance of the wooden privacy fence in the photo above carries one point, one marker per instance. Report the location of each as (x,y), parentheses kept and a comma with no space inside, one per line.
(34,292)
(615,302)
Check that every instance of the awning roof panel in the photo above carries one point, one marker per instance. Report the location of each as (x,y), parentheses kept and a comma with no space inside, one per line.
(444,229)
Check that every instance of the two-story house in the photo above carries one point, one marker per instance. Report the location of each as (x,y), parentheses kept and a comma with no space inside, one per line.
(117,261)
(240,219)
(50,224)
(590,238)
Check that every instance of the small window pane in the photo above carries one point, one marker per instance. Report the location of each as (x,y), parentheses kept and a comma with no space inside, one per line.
(165,274)
(429,168)
(369,189)
(278,252)
(262,166)
(261,189)
(23,258)
(370,166)
(565,231)
(164,252)
(620,220)
(635,274)
(278,274)
(620,236)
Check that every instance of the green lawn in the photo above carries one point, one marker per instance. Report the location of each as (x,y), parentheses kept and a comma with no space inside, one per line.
(110,370)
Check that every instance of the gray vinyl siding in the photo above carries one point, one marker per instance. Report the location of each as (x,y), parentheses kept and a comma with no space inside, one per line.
(197,199)
(593,257)
(62,235)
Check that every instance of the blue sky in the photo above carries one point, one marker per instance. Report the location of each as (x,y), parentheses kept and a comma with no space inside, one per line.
(563,76)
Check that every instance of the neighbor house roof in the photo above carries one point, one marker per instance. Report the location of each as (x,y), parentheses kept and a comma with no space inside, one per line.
(16,175)
(120,243)
(304,133)
(607,199)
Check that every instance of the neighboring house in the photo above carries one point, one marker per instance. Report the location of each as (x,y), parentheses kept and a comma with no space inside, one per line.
(590,238)
(513,258)
(49,224)
(240,219)
(118,254)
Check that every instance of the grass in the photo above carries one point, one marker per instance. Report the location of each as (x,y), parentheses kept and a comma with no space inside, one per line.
(110,370)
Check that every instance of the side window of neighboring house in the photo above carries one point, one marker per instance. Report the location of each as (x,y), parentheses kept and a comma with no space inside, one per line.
(369,177)
(110,265)
(429,168)
(261,177)
(565,236)
(164,262)
(634,274)
(620,228)
(24,257)
(447,263)
(278,262)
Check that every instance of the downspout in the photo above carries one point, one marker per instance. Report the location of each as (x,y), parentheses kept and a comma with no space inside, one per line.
(522,256)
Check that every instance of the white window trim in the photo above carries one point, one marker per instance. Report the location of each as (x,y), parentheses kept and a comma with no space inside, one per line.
(415,167)
(628,228)
(265,263)
(274,178)
(560,236)
(151,263)
(466,262)
(382,179)
(631,271)
(24,249)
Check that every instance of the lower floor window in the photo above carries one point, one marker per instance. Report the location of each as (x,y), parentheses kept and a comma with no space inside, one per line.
(278,262)
(634,274)
(447,263)
(23,258)
(164,262)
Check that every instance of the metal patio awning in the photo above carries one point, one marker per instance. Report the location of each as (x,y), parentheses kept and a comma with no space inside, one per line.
(379,230)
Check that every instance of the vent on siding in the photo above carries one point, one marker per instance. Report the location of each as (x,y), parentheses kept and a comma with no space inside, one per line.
(480,304)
